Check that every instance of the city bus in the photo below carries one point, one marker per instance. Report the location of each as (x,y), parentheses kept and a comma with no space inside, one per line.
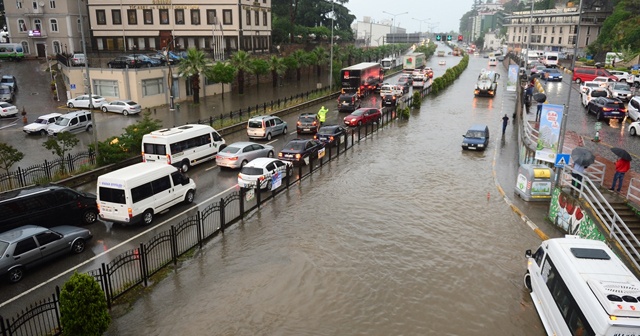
(580,287)
(11,51)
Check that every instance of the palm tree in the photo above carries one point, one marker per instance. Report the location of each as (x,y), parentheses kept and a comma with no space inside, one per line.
(259,67)
(277,68)
(323,58)
(350,51)
(241,61)
(191,67)
(301,59)
(311,61)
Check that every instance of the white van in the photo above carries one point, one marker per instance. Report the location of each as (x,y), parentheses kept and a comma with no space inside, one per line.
(136,193)
(182,146)
(550,59)
(493,61)
(533,56)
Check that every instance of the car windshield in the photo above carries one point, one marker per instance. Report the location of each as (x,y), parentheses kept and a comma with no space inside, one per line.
(41,121)
(3,248)
(614,104)
(474,134)
(251,171)
(598,93)
(295,146)
(5,90)
(230,149)
(621,86)
(357,113)
(307,119)
(62,122)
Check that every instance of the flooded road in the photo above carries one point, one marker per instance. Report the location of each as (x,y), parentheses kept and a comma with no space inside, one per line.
(397,237)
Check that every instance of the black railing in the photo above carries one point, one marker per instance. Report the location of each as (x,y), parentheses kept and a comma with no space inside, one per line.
(134,267)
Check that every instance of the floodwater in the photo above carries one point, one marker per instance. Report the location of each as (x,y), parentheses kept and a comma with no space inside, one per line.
(398,237)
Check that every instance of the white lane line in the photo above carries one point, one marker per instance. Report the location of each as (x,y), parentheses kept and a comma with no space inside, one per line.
(113,248)
(10,125)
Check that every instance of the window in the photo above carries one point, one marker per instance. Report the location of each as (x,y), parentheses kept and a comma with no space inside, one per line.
(180,146)
(56,47)
(18,4)
(553,29)
(24,246)
(519,29)
(112,195)
(108,88)
(142,192)
(157,149)
(195,16)
(37,24)
(544,39)
(148,16)
(560,40)
(560,30)
(116,16)
(132,16)
(47,237)
(101,17)
(226,17)
(152,87)
(257,18)
(34,4)
(161,184)
(25,46)
(164,16)
(264,19)
(545,30)
(79,26)
(54,25)
(52,4)
(551,39)
(180,16)
(248,18)
(211,17)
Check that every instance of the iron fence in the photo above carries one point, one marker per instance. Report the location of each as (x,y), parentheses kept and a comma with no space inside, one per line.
(135,266)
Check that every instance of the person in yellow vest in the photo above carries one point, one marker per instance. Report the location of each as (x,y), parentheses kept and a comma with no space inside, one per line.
(322,115)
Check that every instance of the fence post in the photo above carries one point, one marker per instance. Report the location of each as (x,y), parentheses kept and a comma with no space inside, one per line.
(352,141)
(106,284)
(174,245)
(264,107)
(359,127)
(258,198)
(289,170)
(20,177)
(200,228)
(222,223)
(143,263)
(241,203)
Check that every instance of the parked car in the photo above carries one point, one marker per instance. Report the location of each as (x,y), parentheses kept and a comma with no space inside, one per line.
(619,90)
(634,128)
(307,123)
(146,61)
(262,170)
(593,93)
(83,101)
(238,154)
(299,151)
(7,94)
(622,76)
(363,116)
(552,74)
(125,107)
(633,108)
(607,108)
(124,62)
(331,135)
(389,100)
(77,121)
(581,74)
(477,137)
(26,247)
(78,60)
(8,110)
(10,81)
(265,127)
(160,57)
(40,125)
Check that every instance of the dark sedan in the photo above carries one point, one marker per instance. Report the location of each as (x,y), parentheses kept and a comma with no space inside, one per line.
(607,108)
(300,151)
(405,83)
(331,135)
(124,62)
(389,100)
(363,116)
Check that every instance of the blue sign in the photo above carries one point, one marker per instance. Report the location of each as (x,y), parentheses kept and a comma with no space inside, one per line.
(73,86)
(562,160)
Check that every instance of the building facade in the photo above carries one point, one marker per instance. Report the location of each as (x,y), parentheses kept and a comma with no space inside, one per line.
(46,26)
(221,26)
(373,33)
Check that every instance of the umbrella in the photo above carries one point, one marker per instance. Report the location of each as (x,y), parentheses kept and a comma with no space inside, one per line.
(621,153)
(534,75)
(582,156)
(540,97)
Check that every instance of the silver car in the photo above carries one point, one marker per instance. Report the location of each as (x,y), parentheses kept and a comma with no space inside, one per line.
(125,107)
(620,90)
(27,246)
(238,154)
(6,94)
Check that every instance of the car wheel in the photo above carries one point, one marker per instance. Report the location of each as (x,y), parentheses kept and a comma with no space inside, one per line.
(184,166)
(78,246)
(243,163)
(110,65)
(89,217)
(188,198)
(89,128)
(43,132)
(599,116)
(268,136)
(104,109)
(632,131)
(527,282)
(70,105)
(147,217)
(359,122)
(578,81)
(15,274)
(284,132)
(268,186)
(125,112)
(623,80)
(270,154)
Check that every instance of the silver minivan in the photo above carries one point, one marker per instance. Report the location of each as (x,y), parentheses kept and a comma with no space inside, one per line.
(72,122)
(265,127)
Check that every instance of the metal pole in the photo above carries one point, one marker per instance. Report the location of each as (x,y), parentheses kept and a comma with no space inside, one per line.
(333,15)
(526,62)
(86,69)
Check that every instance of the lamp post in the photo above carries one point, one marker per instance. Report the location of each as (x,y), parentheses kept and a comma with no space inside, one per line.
(88,78)
(421,21)
(392,21)
(331,53)
(526,62)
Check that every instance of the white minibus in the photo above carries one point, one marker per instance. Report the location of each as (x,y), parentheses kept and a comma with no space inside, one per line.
(136,193)
(550,59)
(182,146)
(580,287)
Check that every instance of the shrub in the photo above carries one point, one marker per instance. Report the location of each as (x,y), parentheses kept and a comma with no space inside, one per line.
(416,100)
(83,307)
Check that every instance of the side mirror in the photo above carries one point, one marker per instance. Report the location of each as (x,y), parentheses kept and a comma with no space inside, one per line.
(527,253)
(464,135)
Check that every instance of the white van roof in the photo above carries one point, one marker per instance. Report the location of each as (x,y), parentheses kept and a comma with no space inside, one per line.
(180,129)
(133,172)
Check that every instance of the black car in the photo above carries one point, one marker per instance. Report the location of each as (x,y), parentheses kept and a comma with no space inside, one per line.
(331,135)
(307,123)
(300,151)
(406,83)
(607,108)
(389,100)
(348,102)
(124,62)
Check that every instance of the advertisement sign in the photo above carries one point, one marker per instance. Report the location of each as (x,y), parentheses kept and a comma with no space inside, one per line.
(276,181)
(549,132)
(521,183)
(541,188)
(512,80)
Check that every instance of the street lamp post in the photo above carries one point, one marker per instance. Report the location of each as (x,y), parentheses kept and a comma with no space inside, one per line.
(392,21)
(421,21)
(526,63)
(88,78)
(331,53)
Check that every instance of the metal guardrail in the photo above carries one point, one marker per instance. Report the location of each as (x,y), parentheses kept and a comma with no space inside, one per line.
(633,193)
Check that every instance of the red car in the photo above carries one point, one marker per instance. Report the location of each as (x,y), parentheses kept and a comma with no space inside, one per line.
(363,116)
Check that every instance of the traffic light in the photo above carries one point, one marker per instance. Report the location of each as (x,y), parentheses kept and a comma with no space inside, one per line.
(460,38)
(448,37)
(438,38)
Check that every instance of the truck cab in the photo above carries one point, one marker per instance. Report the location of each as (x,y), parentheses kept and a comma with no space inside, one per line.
(487,84)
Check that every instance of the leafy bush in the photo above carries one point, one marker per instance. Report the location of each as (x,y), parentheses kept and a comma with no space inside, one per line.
(83,307)
(416,100)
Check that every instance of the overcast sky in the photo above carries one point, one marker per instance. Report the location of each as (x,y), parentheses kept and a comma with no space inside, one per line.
(443,15)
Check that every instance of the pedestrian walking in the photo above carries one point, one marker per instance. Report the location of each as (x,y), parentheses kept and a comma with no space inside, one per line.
(622,166)
(505,121)
(613,63)
(539,111)
(578,172)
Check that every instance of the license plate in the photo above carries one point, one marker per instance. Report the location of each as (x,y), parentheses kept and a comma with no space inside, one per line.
(306,129)
(615,112)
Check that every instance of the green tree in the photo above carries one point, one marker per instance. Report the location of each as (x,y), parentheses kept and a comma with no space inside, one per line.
(222,73)
(323,58)
(83,307)
(260,67)
(290,62)
(116,149)
(301,59)
(191,67)
(8,157)
(277,68)
(241,60)
(61,145)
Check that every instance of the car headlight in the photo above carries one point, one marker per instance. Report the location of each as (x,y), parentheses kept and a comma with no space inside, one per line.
(480,145)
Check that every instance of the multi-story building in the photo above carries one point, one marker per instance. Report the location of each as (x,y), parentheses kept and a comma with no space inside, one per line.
(375,34)
(46,26)
(222,26)
(555,29)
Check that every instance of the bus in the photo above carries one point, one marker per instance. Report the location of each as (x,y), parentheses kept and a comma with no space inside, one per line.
(388,63)
(11,51)
(182,146)
(580,287)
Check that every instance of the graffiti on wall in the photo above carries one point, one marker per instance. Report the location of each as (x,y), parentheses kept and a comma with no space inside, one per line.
(567,213)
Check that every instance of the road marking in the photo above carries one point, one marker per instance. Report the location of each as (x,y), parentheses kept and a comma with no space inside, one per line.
(113,248)
(10,125)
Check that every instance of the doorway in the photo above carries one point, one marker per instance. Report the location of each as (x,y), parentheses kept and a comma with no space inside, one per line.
(40,49)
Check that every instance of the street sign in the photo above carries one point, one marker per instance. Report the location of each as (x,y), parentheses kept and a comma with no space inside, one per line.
(562,160)
(73,86)
(598,126)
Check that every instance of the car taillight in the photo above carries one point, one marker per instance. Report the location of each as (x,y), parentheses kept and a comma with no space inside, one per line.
(130,211)
(298,156)
(143,158)
(261,178)
(233,158)
(279,155)
(168,159)
(299,123)
(331,138)
(315,123)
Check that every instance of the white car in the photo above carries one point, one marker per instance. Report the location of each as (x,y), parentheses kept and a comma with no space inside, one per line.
(125,107)
(585,85)
(386,89)
(602,79)
(397,90)
(41,124)
(634,128)
(238,154)
(7,110)
(83,101)
(593,93)
(633,109)
(623,76)
(262,170)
